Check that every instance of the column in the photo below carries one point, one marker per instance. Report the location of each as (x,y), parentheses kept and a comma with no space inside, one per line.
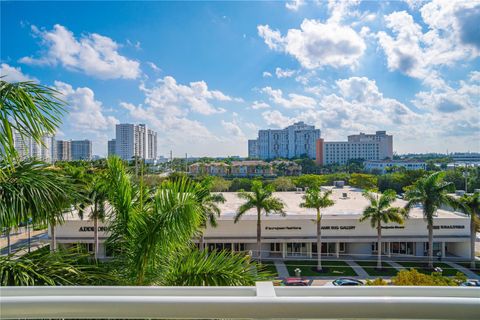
(443,250)
(389,251)
(337,249)
(284,250)
(233,247)
(309,249)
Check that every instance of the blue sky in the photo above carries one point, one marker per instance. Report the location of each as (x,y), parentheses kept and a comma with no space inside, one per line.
(208,75)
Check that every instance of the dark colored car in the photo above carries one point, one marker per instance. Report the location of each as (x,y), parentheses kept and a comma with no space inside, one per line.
(347,282)
(471,283)
(298,282)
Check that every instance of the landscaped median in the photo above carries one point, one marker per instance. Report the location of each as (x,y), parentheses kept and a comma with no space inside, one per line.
(422,267)
(371,268)
(330,268)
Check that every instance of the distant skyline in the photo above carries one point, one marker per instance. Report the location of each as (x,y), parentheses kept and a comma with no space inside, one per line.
(208,75)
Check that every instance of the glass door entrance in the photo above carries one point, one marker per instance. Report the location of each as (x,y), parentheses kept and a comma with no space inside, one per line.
(296,249)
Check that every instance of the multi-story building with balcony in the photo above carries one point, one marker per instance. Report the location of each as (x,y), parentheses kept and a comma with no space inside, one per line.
(133,140)
(27,147)
(63,150)
(378,146)
(81,150)
(294,141)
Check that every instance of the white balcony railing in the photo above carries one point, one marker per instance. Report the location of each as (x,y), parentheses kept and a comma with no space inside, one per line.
(262,301)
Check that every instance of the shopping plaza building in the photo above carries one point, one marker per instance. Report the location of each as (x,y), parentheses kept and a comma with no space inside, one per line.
(294,235)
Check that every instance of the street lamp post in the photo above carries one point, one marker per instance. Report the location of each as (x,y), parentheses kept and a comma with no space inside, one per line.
(465,175)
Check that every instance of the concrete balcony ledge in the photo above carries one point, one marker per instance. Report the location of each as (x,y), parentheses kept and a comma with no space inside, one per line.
(259,302)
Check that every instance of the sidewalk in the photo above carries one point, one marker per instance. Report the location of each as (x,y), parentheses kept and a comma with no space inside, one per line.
(19,236)
(281,269)
(358,269)
(470,274)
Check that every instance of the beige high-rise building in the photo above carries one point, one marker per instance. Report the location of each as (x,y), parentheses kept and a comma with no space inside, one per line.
(64,150)
(378,146)
(29,148)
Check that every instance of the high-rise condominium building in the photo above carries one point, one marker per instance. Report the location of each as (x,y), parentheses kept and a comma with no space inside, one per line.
(111,147)
(81,150)
(378,146)
(135,140)
(29,148)
(296,140)
(63,150)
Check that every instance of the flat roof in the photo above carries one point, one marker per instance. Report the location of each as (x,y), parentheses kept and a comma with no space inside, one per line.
(345,207)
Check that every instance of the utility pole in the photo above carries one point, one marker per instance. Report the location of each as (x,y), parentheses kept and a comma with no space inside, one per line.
(171,161)
(186,163)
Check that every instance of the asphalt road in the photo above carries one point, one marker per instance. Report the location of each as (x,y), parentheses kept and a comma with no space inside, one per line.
(35,241)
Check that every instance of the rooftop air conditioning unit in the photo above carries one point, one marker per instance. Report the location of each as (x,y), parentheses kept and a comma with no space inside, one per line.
(338,184)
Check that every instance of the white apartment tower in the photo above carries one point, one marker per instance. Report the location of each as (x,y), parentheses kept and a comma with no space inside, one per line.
(135,140)
(27,147)
(294,141)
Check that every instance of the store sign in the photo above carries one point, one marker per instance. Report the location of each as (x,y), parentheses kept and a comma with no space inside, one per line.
(393,227)
(338,228)
(283,228)
(453,226)
(91,229)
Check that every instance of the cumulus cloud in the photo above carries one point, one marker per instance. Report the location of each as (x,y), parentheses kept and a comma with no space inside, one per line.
(256,105)
(179,98)
(92,54)
(277,119)
(14,74)
(294,5)
(452,37)
(86,113)
(294,101)
(284,73)
(360,89)
(233,129)
(317,44)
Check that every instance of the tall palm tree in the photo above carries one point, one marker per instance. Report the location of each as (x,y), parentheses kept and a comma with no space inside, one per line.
(470,205)
(209,206)
(262,199)
(431,193)
(315,199)
(95,202)
(380,211)
(30,109)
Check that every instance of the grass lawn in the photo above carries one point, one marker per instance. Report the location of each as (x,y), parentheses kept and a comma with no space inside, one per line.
(467,265)
(423,267)
(270,267)
(371,268)
(330,268)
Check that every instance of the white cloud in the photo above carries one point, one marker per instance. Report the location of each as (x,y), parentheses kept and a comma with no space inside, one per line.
(13,74)
(233,129)
(277,119)
(92,54)
(153,66)
(266,74)
(256,105)
(294,5)
(451,37)
(294,101)
(359,89)
(284,73)
(341,9)
(86,113)
(179,99)
(317,44)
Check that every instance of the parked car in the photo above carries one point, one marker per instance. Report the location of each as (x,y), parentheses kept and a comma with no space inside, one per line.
(470,283)
(298,282)
(347,282)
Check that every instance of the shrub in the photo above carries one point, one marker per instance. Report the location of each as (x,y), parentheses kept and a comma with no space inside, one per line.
(414,278)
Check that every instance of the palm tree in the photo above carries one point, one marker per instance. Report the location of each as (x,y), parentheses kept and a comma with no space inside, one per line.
(209,206)
(381,211)
(95,199)
(470,205)
(28,189)
(431,193)
(30,109)
(146,226)
(315,199)
(262,199)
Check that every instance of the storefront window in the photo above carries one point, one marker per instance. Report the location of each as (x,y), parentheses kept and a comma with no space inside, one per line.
(297,249)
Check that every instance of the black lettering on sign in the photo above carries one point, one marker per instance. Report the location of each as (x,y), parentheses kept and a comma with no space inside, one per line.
(90,229)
